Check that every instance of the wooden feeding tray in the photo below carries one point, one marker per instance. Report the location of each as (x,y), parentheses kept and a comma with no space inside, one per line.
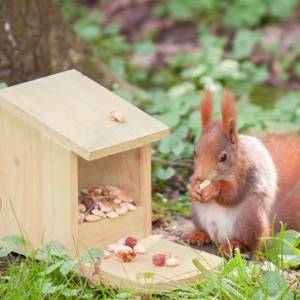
(57,138)
(143,276)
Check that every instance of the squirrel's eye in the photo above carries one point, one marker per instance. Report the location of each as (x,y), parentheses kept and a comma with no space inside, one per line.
(223,156)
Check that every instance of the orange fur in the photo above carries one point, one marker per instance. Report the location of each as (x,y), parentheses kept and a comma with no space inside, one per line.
(285,152)
(246,176)
(198,238)
(228,109)
(229,117)
(206,109)
(229,248)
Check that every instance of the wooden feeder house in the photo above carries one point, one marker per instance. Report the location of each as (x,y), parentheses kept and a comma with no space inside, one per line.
(56,138)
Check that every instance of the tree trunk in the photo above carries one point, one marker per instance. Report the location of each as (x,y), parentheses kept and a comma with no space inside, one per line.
(35,41)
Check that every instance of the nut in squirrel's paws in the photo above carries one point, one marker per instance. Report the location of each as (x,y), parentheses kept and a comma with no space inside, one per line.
(198,238)
(197,187)
(204,184)
(211,192)
(205,191)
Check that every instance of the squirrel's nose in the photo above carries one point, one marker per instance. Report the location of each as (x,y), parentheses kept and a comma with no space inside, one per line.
(204,174)
(198,172)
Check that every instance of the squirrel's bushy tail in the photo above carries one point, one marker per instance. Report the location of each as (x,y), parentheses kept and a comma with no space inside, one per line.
(285,151)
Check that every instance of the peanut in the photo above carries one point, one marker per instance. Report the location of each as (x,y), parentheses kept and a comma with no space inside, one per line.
(131,207)
(122,210)
(172,262)
(112,214)
(81,208)
(139,248)
(92,218)
(117,116)
(204,184)
(98,213)
(81,218)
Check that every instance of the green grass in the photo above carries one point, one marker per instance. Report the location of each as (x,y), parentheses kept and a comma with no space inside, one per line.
(239,279)
(56,276)
(29,279)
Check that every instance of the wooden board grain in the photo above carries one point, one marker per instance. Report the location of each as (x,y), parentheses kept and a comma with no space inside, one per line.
(121,170)
(143,276)
(74,111)
(107,231)
(145,192)
(38,185)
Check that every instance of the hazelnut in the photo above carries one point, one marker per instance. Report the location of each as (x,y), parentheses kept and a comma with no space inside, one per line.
(159,260)
(89,203)
(131,242)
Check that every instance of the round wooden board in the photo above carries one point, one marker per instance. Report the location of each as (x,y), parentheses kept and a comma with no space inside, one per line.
(143,276)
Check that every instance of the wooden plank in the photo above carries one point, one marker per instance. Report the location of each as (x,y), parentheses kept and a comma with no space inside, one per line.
(38,185)
(130,275)
(74,111)
(145,186)
(106,231)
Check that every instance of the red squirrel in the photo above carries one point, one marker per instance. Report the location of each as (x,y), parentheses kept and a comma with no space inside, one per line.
(251,183)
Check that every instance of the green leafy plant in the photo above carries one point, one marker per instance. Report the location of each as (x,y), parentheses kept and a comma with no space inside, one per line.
(284,249)
(48,272)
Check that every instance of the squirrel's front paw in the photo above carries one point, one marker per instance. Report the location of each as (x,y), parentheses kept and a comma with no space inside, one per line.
(230,247)
(195,195)
(211,192)
(198,238)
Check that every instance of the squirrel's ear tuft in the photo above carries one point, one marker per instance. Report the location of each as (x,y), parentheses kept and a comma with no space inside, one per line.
(229,118)
(206,109)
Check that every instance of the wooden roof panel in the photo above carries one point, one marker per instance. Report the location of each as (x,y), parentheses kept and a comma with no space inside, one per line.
(74,110)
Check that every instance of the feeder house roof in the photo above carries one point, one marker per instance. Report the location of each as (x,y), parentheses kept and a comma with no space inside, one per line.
(74,111)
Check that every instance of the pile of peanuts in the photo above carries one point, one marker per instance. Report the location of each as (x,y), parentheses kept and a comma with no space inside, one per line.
(101,202)
(127,249)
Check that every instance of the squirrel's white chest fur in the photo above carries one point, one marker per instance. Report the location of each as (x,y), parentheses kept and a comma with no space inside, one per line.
(217,220)
(220,221)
